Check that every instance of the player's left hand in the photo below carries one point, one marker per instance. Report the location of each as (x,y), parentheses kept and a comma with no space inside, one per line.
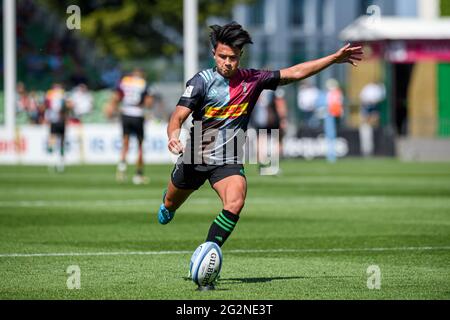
(349,54)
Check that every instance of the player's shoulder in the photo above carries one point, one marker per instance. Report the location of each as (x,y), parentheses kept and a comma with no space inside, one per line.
(204,76)
(197,85)
(249,73)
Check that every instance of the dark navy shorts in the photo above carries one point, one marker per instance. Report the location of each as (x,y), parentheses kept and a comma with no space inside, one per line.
(133,126)
(58,128)
(193,176)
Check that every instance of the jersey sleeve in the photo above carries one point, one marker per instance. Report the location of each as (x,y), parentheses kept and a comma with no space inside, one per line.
(194,93)
(269,79)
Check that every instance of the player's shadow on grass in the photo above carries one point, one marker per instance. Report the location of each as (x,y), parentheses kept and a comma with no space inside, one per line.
(231,281)
(257,280)
(252,280)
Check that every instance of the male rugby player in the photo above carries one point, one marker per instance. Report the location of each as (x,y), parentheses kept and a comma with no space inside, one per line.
(221,100)
(133,95)
(57,108)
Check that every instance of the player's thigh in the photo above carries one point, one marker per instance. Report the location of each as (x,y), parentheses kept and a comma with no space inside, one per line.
(126,125)
(184,180)
(232,190)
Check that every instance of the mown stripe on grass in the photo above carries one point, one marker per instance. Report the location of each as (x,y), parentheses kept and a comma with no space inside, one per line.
(322,200)
(236,251)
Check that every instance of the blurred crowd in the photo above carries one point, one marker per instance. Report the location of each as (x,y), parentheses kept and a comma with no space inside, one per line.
(46,56)
(315,104)
(81,104)
(48,52)
(36,105)
(312,103)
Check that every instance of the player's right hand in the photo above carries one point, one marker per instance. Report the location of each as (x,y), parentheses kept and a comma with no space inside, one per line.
(175,146)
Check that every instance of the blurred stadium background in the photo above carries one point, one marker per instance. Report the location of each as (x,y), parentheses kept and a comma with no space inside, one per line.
(379,200)
(407,53)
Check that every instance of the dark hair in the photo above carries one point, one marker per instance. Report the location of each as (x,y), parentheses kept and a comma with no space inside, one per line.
(230,34)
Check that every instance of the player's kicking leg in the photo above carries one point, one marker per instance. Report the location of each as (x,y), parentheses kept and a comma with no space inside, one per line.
(173,198)
(184,180)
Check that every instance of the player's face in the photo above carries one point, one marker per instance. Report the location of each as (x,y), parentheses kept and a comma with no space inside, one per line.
(227,59)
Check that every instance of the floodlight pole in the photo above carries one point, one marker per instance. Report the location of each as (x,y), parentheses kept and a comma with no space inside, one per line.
(429,9)
(190,38)
(9,44)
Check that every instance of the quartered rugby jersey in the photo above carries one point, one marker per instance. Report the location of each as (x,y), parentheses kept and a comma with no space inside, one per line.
(133,91)
(55,100)
(223,107)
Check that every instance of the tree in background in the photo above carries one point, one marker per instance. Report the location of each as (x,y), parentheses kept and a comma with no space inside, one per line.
(445,8)
(131,29)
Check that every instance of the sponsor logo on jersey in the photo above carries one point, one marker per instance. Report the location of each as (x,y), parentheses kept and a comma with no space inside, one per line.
(228,112)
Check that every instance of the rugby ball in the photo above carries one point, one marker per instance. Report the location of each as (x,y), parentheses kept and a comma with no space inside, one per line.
(205,264)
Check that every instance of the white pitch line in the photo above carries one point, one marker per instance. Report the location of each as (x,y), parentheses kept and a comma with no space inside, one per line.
(157,200)
(135,253)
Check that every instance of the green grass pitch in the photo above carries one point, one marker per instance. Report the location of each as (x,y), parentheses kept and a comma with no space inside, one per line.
(311,233)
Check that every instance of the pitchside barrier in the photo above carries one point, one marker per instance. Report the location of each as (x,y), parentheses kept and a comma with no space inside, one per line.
(312,144)
(85,144)
(101,144)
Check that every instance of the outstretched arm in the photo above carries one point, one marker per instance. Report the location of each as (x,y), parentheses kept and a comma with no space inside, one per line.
(305,70)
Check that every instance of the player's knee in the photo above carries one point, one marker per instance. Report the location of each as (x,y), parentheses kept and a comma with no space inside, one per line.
(235,206)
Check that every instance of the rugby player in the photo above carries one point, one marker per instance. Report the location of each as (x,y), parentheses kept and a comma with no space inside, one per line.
(133,95)
(57,108)
(221,100)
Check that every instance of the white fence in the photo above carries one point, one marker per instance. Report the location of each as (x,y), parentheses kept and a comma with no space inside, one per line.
(89,144)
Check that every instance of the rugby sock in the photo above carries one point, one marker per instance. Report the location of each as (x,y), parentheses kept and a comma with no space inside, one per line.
(222,227)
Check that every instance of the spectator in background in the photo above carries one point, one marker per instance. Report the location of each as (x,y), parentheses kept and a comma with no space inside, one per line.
(82,101)
(335,100)
(371,96)
(22,100)
(36,111)
(335,111)
(27,103)
(270,112)
(307,102)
